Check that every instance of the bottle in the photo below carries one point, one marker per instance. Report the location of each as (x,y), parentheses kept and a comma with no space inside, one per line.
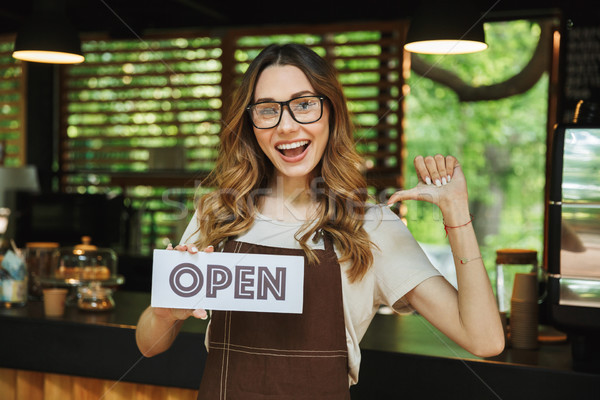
(13,279)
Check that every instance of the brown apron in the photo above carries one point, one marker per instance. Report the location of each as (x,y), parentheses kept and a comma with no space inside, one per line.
(258,356)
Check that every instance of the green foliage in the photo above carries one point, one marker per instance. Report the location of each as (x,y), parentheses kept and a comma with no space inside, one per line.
(501,144)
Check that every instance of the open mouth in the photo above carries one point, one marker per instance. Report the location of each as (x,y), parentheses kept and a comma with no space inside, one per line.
(293,149)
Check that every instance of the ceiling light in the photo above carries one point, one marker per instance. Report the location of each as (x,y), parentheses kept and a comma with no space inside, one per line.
(48,36)
(446,28)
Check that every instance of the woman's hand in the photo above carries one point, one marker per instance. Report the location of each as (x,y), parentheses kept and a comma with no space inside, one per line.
(441,182)
(179,313)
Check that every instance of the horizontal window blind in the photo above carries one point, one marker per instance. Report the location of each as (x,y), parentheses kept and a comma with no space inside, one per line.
(142,117)
(12,107)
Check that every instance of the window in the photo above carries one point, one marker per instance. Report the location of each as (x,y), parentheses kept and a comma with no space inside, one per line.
(12,107)
(142,118)
(501,144)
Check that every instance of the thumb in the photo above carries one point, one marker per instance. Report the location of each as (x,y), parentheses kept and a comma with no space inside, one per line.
(401,195)
(421,193)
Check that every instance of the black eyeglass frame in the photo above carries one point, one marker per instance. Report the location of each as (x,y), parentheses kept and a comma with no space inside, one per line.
(285,104)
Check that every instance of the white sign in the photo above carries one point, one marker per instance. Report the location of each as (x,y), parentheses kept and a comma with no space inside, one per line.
(228,281)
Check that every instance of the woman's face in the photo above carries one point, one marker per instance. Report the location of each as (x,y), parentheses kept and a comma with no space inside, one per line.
(295,149)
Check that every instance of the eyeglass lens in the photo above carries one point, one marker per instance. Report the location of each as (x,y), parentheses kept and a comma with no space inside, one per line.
(305,110)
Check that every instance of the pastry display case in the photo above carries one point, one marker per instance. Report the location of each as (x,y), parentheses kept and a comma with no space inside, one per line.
(89,271)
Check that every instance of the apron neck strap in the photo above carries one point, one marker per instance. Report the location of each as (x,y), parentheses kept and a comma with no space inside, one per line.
(327,240)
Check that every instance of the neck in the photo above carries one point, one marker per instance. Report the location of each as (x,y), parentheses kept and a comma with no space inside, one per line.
(291,187)
(289,199)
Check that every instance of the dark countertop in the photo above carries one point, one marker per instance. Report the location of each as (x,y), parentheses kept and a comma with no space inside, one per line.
(99,344)
(403,356)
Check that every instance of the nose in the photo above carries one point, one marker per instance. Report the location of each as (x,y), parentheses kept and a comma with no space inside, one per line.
(287,123)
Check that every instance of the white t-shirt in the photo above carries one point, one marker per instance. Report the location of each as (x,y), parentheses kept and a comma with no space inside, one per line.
(399,265)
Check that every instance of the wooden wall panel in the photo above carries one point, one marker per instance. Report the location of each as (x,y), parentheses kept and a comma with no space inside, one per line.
(181,394)
(8,380)
(148,392)
(119,390)
(57,387)
(32,385)
(87,388)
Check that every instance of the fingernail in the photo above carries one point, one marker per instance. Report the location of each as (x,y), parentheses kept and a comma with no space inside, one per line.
(204,317)
(438,183)
(210,247)
(444,181)
(449,178)
(194,249)
(428,180)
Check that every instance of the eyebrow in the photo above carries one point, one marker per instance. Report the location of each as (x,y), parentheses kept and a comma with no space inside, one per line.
(293,96)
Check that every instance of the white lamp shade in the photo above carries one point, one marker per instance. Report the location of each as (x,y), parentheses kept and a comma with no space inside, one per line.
(446,28)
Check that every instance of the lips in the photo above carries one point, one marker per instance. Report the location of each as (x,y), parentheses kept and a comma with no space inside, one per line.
(294,150)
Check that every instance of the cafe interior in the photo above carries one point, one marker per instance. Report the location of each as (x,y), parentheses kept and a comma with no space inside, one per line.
(110,113)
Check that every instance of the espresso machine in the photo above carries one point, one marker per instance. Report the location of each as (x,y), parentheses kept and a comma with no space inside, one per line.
(573,247)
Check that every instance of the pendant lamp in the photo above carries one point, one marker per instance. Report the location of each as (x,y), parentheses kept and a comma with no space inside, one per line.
(446,28)
(48,36)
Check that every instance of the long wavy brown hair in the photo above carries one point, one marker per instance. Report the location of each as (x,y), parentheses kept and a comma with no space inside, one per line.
(242,169)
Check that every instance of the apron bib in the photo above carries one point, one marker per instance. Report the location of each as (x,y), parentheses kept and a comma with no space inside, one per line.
(258,356)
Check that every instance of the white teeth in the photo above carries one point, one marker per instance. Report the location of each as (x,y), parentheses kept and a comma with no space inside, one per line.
(288,146)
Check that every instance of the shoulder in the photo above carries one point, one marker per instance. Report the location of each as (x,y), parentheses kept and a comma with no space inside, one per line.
(399,262)
(381,222)
(394,243)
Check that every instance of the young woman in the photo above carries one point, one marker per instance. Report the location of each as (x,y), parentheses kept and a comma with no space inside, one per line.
(288,181)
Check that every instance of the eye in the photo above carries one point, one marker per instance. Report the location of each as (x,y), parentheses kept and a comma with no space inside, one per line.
(267,110)
(304,105)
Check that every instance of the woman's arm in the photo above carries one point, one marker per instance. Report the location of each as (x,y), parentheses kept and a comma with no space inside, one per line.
(157,328)
(470,315)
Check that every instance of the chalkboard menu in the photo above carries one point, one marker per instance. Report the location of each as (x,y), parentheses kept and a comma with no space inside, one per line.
(581,67)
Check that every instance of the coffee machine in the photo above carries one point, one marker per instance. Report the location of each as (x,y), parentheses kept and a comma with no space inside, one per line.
(573,246)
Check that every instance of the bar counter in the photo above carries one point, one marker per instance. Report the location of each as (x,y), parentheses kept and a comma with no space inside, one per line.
(402,357)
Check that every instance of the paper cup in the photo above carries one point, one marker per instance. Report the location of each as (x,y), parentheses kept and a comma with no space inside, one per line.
(525,287)
(524,324)
(54,302)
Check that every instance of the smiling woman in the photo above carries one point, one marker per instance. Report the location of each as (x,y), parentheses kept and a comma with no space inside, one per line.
(288,182)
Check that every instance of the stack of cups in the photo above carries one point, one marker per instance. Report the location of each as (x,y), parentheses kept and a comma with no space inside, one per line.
(524,312)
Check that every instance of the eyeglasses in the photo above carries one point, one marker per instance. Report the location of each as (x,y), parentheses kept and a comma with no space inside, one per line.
(303,109)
